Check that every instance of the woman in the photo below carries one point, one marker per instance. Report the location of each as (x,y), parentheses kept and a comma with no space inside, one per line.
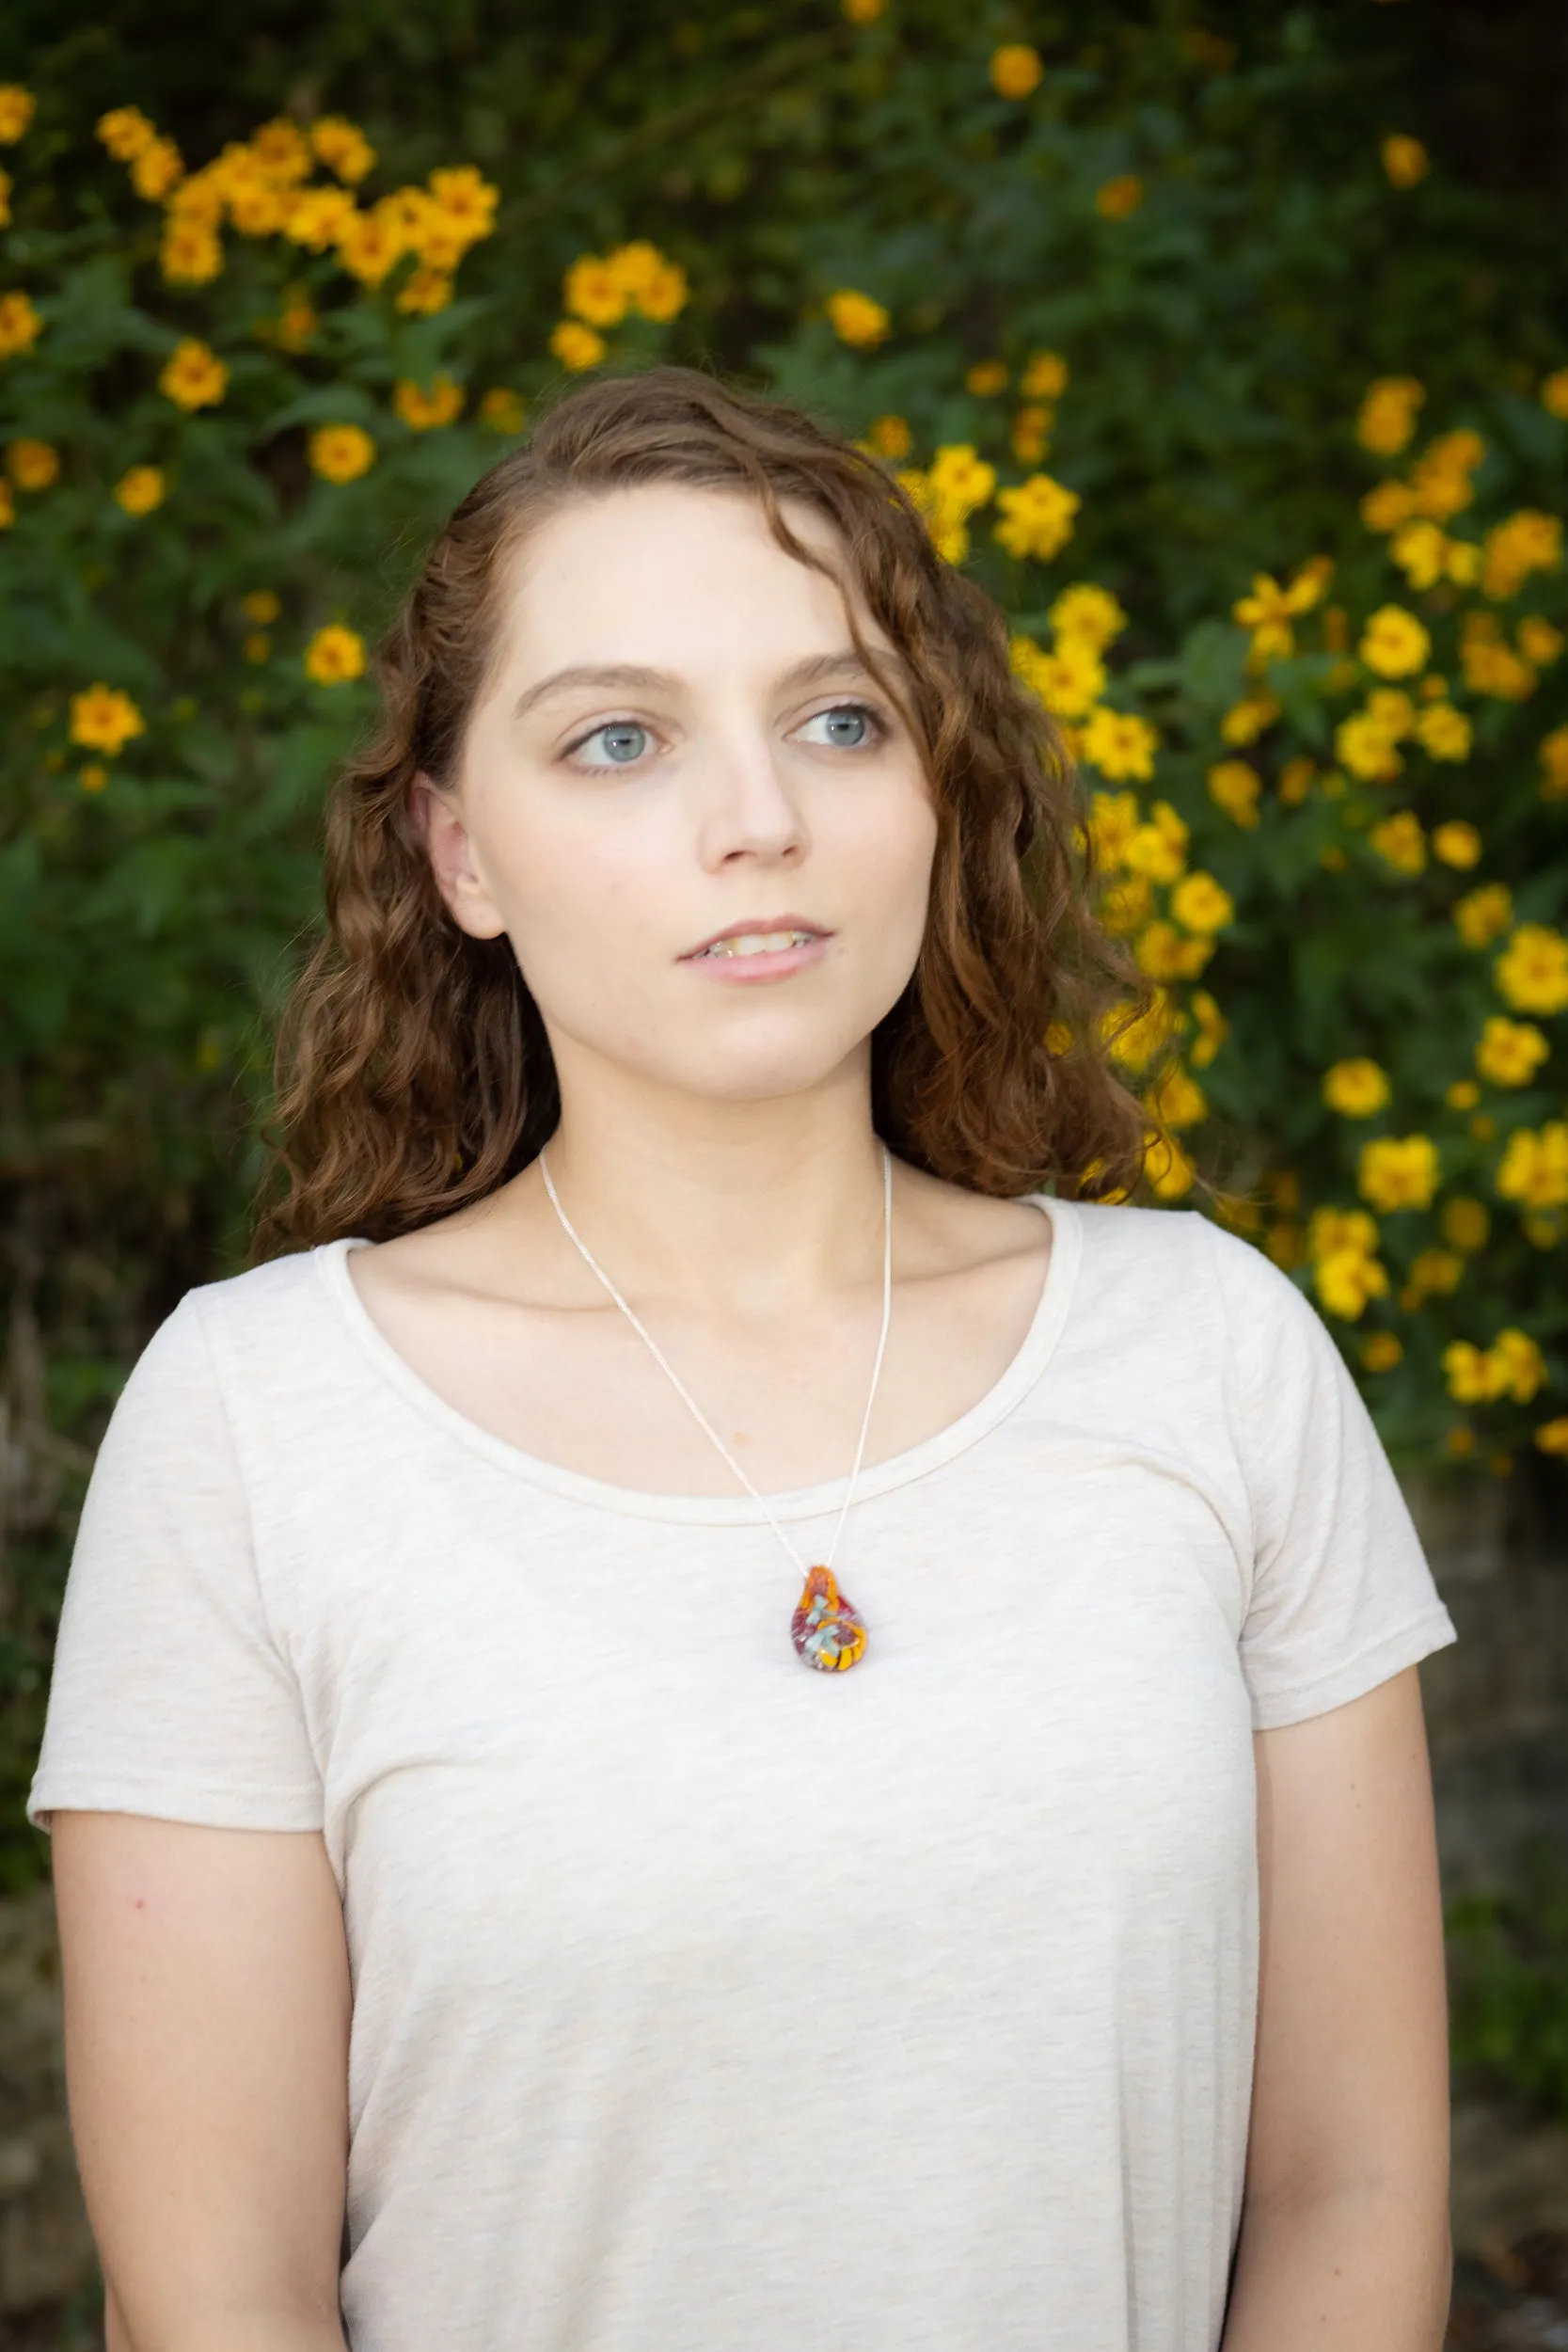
(482,1927)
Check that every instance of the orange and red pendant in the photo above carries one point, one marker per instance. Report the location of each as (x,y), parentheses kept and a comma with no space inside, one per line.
(828,1631)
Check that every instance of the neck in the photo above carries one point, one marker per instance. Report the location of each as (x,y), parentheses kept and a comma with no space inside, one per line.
(763,1206)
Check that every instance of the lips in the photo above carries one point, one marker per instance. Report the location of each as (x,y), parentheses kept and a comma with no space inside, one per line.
(775,935)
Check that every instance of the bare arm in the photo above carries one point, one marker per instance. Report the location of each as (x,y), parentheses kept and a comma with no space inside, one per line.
(1344,2228)
(207,2008)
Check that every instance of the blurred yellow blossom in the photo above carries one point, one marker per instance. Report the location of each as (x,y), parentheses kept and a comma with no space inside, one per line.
(1168,1173)
(1069,680)
(1509,1052)
(1382,1351)
(32,465)
(189,253)
(1245,720)
(1513,1366)
(140,489)
(1554,393)
(1490,666)
(261,606)
(1386,422)
(194,377)
(422,409)
(1119,197)
(1355,1088)
(1552,1435)
(986,377)
(1554,764)
(1462,1094)
(1212,1028)
(156,168)
(104,720)
(340,453)
(1235,786)
(1443,732)
(1201,904)
(1015,70)
(1539,642)
(1466,1225)
(126,132)
(889,436)
(1527,541)
(1088,615)
(1120,744)
(1366,746)
(501,409)
(335,655)
(1399,841)
(576,346)
(856,319)
(16,112)
(1045,377)
(424,291)
(1394,643)
(1534,1166)
(1404,160)
(1457,843)
(342,147)
(19,324)
(1039,516)
(1398,1173)
(1532,971)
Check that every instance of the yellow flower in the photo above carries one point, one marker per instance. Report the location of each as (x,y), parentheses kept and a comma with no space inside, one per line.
(140,489)
(1457,843)
(1213,1029)
(1046,377)
(1399,841)
(593,291)
(1069,681)
(340,453)
(863,11)
(93,776)
(1532,971)
(1364,745)
(1385,420)
(576,346)
(1443,732)
(856,319)
(1015,70)
(260,606)
(1030,436)
(104,720)
(342,147)
(16,112)
(467,199)
(1554,393)
(281,150)
(1038,518)
(1161,951)
(1126,906)
(986,377)
(189,254)
(1389,505)
(157,168)
(126,132)
(1436,1273)
(1345,1279)
(425,292)
(1440,479)
(1167,1170)
(1177,1100)
(1462,1094)
(1199,904)
(1235,788)
(1245,720)
(369,245)
(1539,642)
(1113,821)
(257,645)
(1552,1435)
(1120,745)
(1134,1043)
(959,480)
(1509,1052)
(1421,552)
(298,323)
(1087,615)
(1119,197)
(1513,1366)
(1271,609)
(316,218)
(1483,915)
(194,377)
(32,465)
(1398,1173)
(1554,764)
(335,655)
(20,325)
(1466,1225)
(502,409)
(422,411)
(1394,643)
(1355,1088)
(1382,1352)
(1534,1166)
(1295,780)
(1404,160)
(889,436)
(1340,1229)
(1527,541)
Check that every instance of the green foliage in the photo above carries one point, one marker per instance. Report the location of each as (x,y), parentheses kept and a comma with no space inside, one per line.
(1198,224)
(1510,1958)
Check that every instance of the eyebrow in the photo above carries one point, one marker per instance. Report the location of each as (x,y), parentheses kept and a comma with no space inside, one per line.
(635,678)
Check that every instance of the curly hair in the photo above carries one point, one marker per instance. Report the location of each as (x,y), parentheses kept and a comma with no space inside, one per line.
(414,1074)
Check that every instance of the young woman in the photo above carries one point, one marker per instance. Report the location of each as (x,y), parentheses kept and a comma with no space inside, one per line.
(727,1713)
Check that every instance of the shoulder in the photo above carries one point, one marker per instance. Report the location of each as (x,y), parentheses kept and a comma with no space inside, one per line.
(272,1323)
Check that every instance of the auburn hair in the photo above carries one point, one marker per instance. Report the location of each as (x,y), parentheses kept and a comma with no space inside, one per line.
(413,1070)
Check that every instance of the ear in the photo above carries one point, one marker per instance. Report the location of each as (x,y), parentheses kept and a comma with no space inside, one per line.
(438,821)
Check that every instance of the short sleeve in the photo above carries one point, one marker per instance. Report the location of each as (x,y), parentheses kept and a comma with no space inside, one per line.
(1341,1595)
(170,1695)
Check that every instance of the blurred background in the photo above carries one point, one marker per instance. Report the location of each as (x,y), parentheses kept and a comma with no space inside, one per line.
(1227,343)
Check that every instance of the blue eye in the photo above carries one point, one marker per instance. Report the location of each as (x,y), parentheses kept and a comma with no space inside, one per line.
(849,726)
(623,739)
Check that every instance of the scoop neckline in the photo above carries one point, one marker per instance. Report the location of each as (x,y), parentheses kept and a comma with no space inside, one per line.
(799,1502)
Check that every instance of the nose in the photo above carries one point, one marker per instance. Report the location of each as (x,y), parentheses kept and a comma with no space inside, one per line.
(746,808)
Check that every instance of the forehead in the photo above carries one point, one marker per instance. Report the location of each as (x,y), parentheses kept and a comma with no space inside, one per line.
(674,577)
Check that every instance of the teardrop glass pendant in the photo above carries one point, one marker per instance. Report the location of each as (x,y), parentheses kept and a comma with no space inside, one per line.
(828,1631)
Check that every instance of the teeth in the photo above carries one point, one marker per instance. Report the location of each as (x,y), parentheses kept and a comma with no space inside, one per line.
(758,943)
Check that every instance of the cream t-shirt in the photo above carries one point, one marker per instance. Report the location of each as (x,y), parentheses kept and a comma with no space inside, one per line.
(703,2002)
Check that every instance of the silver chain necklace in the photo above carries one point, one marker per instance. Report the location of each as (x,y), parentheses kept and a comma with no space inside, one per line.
(828,1633)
